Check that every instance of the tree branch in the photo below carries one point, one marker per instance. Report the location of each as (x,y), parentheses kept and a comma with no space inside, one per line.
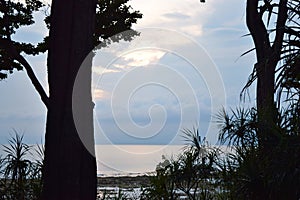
(280,28)
(257,30)
(37,85)
(8,46)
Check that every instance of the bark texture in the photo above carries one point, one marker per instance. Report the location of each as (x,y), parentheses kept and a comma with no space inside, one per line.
(70,169)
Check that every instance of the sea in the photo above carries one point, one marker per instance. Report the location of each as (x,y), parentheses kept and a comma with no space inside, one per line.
(122,160)
(127,160)
(132,160)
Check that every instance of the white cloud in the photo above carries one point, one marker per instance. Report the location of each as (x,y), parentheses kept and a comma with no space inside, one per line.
(99,70)
(99,94)
(137,58)
(176,16)
(172,14)
(143,57)
(213,24)
(193,30)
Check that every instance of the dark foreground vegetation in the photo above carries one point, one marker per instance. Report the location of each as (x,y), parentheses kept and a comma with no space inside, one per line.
(263,156)
(242,170)
(20,170)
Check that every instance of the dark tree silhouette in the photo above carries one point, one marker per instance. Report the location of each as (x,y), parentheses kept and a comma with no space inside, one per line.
(70,170)
(75,28)
(268,56)
(13,16)
(272,45)
(266,141)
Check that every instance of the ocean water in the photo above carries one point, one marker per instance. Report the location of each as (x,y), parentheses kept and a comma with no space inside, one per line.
(116,160)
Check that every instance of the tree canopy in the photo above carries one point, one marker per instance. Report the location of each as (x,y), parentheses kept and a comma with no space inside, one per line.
(112,17)
(69,170)
(14,15)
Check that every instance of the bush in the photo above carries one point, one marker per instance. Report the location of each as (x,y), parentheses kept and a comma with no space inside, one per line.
(193,175)
(21,178)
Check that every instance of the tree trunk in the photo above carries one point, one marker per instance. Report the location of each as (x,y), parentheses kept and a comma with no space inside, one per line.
(268,56)
(70,168)
(266,107)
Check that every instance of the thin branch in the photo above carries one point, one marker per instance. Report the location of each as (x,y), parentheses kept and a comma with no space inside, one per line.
(37,85)
(280,28)
(15,54)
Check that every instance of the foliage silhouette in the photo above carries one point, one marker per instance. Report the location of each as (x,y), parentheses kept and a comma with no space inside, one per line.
(253,172)
(274,28)
(21,176)
(14,15)
(263,161)
(78,35)
(192,175)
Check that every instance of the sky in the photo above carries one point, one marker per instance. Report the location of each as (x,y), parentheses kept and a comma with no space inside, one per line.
(182,69)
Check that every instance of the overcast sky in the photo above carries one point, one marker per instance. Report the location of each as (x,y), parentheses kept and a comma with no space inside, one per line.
(183,68)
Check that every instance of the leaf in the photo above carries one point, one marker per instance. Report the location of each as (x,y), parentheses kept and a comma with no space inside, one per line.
(247,52)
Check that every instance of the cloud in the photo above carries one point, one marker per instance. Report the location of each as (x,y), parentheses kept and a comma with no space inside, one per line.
(213,24)
(126,62)
(143,57)
(172,14)
(193,30)
(101,70)
(176,16)
(99,94)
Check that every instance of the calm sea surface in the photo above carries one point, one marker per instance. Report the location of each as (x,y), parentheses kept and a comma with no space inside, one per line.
(131,159)
(124,159)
